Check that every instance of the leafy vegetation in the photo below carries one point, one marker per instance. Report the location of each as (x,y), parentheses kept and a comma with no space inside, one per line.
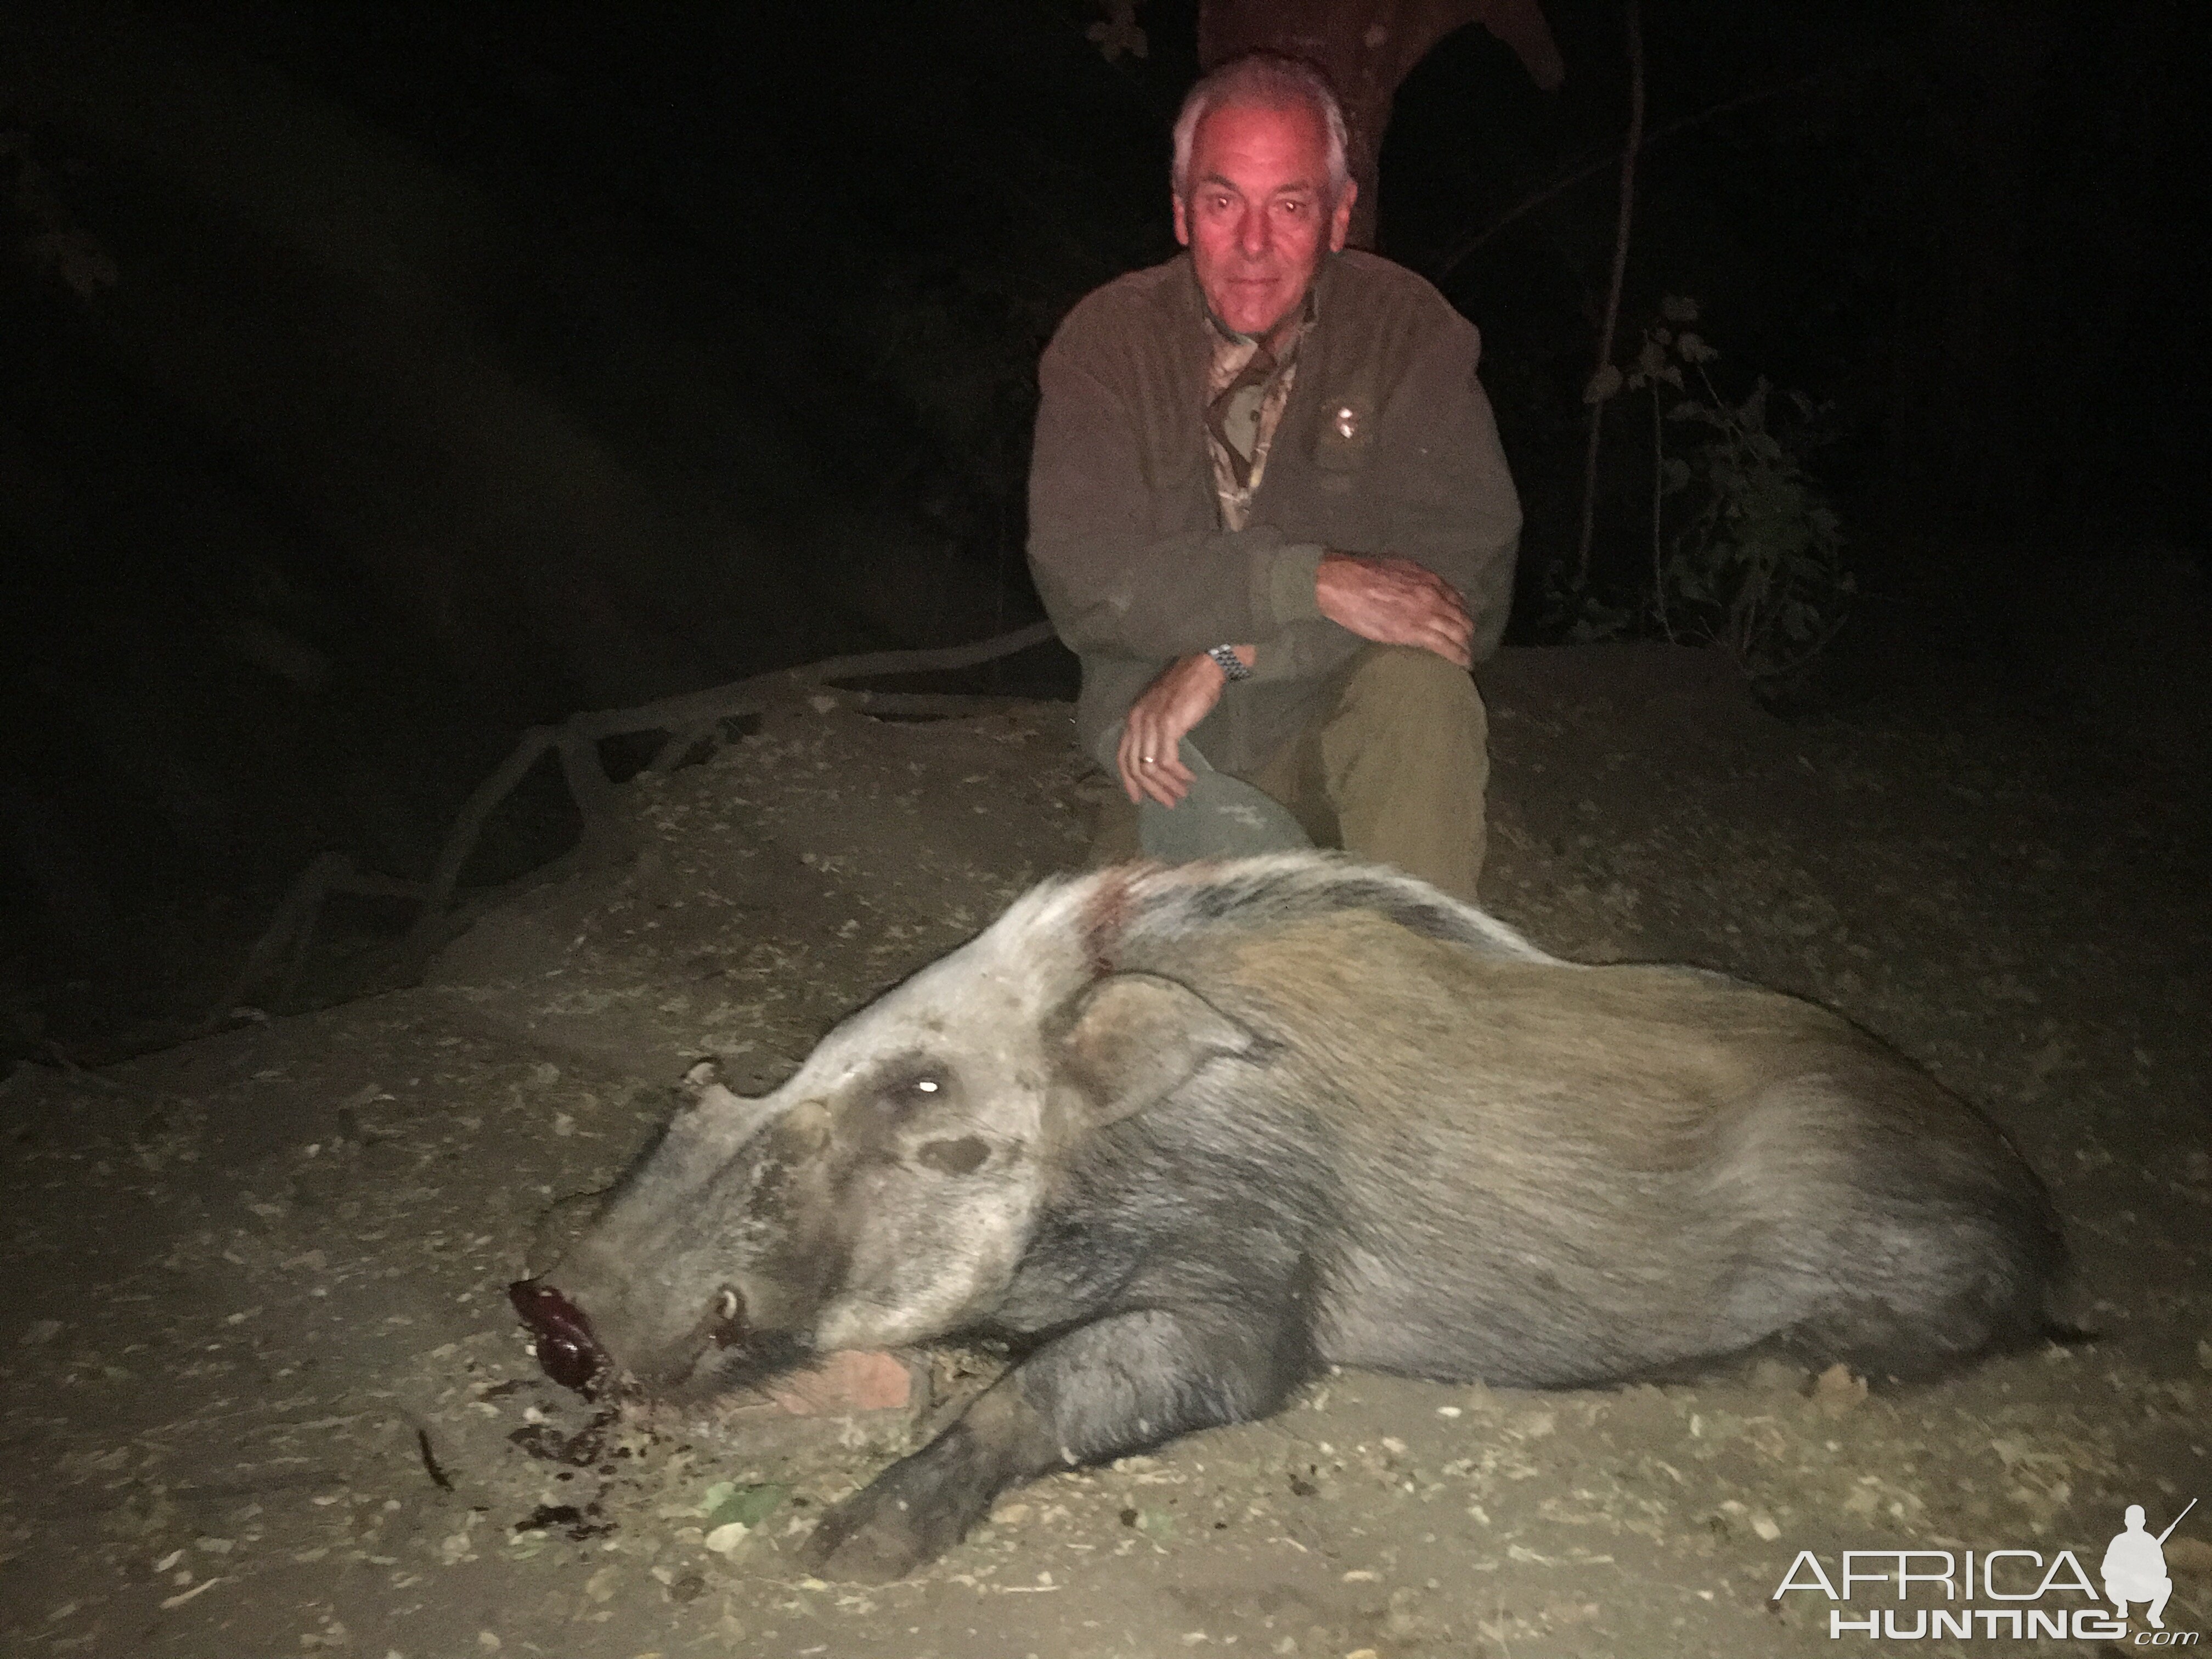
(1746,550)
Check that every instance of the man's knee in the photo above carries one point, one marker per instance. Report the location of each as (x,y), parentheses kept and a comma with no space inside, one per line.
(1406,765)
(1399,697)
(1407,671)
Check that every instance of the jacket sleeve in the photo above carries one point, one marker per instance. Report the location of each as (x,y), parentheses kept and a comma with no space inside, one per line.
(1446,498)
(1112,584)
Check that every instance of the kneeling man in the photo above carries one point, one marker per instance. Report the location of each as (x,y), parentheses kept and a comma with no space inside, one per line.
(1269,511)
(2134,1569)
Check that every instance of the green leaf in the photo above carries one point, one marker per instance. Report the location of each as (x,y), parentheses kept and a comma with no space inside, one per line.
(748,1505)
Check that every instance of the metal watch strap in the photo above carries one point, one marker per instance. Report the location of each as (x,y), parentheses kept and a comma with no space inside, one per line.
(1231,664)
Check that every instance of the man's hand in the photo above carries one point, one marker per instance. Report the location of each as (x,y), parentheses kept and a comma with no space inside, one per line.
(1395,602)
(1182,695)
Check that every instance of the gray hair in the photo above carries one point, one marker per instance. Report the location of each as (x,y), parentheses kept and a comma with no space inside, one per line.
(1272,80)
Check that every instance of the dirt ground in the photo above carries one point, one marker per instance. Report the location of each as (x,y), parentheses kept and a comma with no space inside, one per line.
(264,1394)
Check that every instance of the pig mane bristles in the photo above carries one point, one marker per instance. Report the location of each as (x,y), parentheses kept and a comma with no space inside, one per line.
(1105,916)
(1115,910)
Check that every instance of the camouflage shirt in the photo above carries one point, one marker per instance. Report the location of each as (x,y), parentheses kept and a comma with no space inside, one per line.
(1246,390)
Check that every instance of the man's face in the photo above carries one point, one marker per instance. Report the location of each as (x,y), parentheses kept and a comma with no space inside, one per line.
(1256,214)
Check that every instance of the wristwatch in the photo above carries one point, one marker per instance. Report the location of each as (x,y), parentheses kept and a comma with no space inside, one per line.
(1231,664)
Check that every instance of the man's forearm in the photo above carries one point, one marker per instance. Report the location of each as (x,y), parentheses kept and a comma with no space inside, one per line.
(1396,601)
(1170,598)
(1456,512)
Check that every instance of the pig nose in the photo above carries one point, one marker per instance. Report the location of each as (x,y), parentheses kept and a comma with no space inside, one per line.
(567,1350)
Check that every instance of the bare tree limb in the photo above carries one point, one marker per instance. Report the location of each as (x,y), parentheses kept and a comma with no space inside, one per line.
(1468,246)
(294,926)
(1596,396)
(690,719)
(679,744)
(423,937)
(606,839)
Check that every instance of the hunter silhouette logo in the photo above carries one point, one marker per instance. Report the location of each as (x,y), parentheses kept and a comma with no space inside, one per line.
(2135,1566)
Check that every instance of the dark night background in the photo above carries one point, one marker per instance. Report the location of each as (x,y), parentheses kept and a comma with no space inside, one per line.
(377,380)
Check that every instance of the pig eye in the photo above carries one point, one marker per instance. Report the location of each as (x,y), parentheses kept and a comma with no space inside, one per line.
(911,1090)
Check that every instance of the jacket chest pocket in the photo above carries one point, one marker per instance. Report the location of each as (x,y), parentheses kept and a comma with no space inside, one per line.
(1342,442)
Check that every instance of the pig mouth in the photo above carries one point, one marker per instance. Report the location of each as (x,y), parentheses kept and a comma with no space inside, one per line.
(721,1354)
(724,1351)
(764,1355)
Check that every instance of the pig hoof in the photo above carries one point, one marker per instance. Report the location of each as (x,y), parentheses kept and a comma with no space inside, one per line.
(869,1540)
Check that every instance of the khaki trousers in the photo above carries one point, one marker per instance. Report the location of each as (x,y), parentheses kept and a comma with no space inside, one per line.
(1392,769)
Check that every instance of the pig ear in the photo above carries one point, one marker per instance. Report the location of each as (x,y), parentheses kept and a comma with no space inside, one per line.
(716,1113)
(1134,1039)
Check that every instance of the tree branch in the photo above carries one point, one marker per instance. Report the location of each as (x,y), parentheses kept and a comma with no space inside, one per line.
(294,925)
(691,718)
(1595,396)
(1467,247)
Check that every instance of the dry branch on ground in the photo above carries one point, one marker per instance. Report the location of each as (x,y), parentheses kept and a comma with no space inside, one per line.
(696,724)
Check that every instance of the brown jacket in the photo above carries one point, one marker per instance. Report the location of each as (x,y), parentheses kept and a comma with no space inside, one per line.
(1387,445)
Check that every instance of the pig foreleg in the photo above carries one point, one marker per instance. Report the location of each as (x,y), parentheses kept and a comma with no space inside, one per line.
(1122,1385)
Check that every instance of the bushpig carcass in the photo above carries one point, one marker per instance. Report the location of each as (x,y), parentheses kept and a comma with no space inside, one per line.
(1182,1136)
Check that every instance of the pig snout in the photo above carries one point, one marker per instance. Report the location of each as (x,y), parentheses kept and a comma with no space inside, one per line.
(572,1354)
(567,1350)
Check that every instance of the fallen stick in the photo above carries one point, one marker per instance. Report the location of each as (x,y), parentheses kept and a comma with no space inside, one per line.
(691,718)
(293,925)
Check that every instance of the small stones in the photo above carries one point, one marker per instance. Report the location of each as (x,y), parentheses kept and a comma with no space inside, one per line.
(1836,1391)
(577,1522)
